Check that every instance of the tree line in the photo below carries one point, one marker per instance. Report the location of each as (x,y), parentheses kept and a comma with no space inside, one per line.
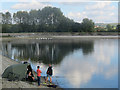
(48,19)
(108,28)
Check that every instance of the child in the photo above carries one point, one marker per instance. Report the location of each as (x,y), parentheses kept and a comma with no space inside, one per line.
(38,75)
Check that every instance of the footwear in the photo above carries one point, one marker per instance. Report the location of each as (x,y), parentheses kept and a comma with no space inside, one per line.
(39,86)
(44,83)
(50,83)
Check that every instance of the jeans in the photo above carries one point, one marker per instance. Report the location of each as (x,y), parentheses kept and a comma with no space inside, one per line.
(39,77)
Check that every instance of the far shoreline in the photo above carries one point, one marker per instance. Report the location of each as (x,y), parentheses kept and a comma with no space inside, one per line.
(60,35)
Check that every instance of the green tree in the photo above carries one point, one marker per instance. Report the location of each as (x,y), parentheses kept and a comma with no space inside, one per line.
(87,25)
(21,17)
(48,19)
(34,17)
(118,27)
(6,18)
(109,27)
(3,18)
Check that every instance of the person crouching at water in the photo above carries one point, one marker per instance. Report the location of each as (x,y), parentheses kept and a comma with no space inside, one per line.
(49,73)
(38,75)
(30,76)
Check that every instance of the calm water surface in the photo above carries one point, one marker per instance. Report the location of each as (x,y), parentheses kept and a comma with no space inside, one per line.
(82,63)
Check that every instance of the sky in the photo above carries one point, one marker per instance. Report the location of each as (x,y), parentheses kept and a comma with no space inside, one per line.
(99,11)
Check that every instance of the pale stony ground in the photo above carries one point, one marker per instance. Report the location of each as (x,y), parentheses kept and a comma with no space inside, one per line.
(0,72)
(4,83)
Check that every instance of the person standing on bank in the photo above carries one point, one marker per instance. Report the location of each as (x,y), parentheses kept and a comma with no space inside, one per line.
(49,73)
(38,75)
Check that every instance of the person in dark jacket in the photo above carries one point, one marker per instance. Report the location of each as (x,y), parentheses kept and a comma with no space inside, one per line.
(49,73)
(30,76)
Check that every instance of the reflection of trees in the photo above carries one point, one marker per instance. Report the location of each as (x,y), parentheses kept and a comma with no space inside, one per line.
(52,52)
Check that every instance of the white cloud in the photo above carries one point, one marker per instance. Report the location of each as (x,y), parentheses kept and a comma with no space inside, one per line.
(79,72)
(30,5)
(103,52)
(4,10)
(77,16)
(47,0)
(98,5)
(111,72)
(100,12)
(112,14)
(82,70)
(57,0)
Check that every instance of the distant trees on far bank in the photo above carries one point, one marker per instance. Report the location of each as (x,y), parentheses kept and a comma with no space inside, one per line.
(49,19)
(108,28)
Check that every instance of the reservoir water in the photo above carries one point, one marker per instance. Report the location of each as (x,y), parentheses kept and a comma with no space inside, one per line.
(84,63)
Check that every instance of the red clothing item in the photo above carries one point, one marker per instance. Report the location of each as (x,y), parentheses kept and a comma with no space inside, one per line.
(39,72)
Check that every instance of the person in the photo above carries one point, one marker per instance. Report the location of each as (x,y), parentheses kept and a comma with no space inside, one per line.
(30,76)
(38,75)
(49,73)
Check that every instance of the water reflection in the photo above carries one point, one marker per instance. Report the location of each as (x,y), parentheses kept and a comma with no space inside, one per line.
(45,52)
(78,64)
(95,70)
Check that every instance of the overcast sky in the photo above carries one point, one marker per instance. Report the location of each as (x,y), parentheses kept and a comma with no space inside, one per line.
(98,11)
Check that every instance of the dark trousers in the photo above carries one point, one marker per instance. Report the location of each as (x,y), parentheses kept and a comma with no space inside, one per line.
(39,77)
(30,78)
